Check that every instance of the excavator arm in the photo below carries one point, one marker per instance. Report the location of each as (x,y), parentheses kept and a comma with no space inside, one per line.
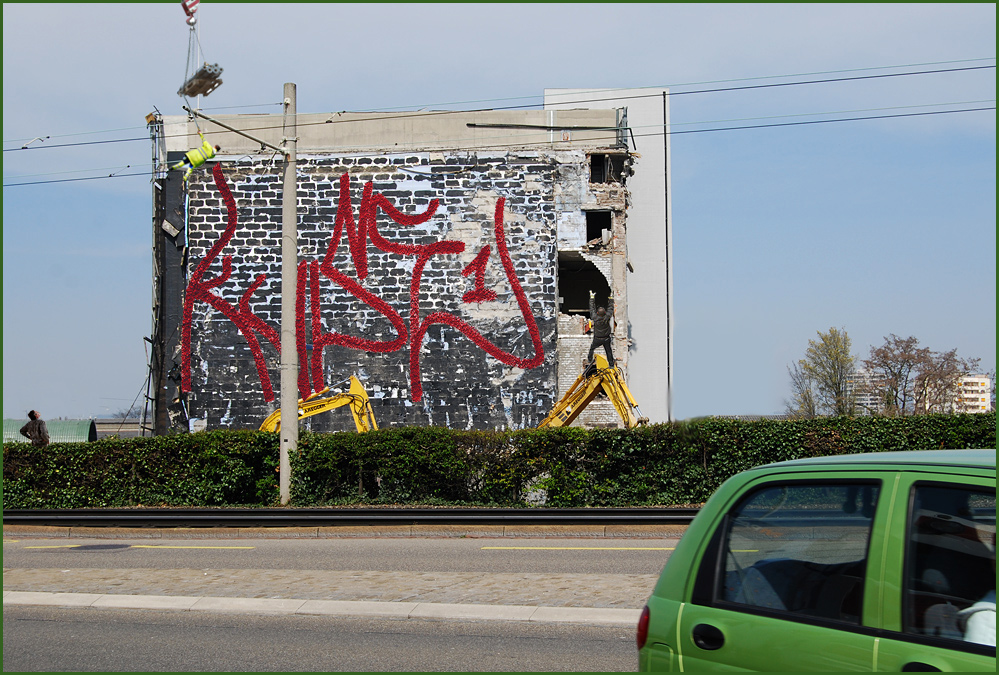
(597,377)
(355,397)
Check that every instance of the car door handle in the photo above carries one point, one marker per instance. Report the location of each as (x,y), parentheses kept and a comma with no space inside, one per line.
(919,667)
(707,637)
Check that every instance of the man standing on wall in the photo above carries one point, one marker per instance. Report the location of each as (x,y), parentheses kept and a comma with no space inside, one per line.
(35,430)
(603,328)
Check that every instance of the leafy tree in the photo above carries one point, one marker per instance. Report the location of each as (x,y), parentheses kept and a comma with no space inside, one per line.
(821,383)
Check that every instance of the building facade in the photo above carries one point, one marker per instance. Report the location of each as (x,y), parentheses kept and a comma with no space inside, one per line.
(970,394)
(445,259)
(974,394)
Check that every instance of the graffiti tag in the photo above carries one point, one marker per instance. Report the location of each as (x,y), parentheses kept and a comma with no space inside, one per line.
(409,333)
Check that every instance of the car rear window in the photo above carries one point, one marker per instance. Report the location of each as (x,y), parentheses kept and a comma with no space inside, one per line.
(795,549)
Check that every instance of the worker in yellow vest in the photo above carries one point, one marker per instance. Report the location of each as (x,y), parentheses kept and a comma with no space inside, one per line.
(195,158)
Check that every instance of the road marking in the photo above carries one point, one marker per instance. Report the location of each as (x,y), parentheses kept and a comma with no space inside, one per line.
(60,546)
(578,548)
(211,547)
(11,541)
(591,548)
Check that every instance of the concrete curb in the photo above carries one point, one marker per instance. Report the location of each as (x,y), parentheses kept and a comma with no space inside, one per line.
(595,616)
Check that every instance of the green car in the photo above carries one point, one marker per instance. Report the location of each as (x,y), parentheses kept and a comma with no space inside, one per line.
(876,562)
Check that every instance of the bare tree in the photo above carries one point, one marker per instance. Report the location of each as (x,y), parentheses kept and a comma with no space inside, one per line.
(822,381)
(133,412)
(938,381)
(802,403)
(914,379)
(895,364)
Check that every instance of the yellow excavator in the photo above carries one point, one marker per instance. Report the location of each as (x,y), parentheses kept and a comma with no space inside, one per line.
(355,397)
(598,376)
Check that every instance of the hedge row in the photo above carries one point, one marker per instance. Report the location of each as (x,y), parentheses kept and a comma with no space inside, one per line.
(664,464)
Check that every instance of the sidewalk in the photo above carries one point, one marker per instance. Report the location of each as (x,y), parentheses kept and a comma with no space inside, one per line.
(592,599)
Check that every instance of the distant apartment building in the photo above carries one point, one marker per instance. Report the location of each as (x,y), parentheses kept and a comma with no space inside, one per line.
(868,390)
(970,394)
(974,394)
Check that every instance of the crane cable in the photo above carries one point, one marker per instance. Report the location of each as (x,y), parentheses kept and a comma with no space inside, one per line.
(191,66)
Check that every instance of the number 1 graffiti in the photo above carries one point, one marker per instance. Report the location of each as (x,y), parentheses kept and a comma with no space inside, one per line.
(409,334)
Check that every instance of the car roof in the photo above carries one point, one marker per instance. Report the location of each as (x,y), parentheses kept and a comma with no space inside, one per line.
(980,459)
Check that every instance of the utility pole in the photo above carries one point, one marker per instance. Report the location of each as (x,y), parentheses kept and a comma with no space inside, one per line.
(288,436)
(289,281)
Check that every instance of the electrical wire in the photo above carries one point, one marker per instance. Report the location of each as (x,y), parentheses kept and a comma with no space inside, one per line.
(73,180)
(699,83)
(592,91)
(639,135)
(580,101)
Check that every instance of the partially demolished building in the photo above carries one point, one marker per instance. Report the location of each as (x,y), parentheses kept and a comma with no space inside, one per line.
(445,258)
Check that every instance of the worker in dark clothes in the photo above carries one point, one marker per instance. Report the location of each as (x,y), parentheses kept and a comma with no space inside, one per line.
(603,328)
(35,430)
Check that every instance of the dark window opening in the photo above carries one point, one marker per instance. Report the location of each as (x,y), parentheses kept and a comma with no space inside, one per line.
(607,168)
(576,278)
(596,223)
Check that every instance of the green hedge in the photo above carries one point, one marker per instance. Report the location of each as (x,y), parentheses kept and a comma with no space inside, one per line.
(663,464)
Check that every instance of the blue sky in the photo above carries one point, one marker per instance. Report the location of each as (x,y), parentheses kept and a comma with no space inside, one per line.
(880,226)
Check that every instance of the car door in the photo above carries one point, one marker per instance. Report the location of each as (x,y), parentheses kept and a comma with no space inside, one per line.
(944,560)
(781,585)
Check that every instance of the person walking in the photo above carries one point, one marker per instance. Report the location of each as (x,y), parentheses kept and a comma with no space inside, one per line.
(603,328)
(35,430)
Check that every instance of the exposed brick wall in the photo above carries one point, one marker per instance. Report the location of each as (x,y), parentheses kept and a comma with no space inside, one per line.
(463,386)
(573,346)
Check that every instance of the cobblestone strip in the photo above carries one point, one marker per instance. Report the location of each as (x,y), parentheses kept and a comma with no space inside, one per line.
(625,591)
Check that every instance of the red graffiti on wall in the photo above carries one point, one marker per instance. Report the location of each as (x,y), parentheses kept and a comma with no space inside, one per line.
(199,290)
(407,333)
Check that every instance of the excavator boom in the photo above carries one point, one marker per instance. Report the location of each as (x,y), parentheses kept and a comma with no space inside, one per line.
(599,376)
(355,397)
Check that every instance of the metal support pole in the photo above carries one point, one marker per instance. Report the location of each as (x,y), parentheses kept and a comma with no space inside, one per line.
(669,261)
(288,440)
(263,144)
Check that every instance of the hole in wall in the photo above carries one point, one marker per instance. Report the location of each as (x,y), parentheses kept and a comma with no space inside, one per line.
(576,278)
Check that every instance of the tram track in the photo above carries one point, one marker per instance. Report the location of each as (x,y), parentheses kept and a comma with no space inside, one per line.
(332,517)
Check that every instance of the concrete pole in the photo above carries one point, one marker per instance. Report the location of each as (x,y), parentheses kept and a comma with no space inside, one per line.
(288,441)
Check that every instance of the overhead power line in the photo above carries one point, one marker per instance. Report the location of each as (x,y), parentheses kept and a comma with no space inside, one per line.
(640,135)
(331,120)
(73,180)
(841,119)
(521,98)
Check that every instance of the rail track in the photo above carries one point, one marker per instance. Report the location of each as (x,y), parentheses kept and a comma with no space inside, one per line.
(329,517)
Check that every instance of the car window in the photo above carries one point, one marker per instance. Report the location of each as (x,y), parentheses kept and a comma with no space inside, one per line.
(950,564)
(794,549)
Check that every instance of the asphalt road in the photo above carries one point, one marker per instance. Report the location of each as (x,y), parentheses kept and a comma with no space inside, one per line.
(44,639)
(552,556)
(587,578)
